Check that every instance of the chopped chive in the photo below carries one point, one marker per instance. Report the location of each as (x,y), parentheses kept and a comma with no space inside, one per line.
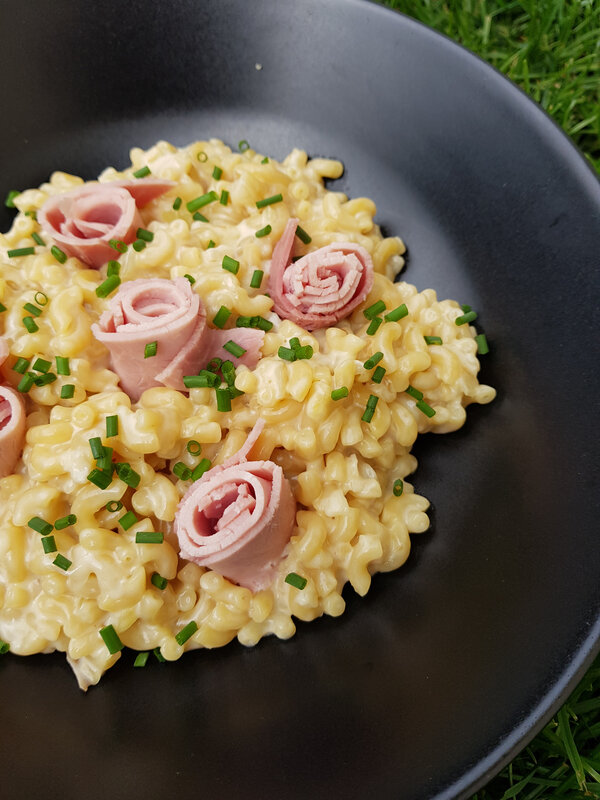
(113,505)
(193,447)
(464,319)
(202,156)
(374,325)
(200,217)
(96,446)
(199,470)
(303,235)
(234,348)
(482,344)
(62,366)
(62,562)
(127,474)
(150,349)
(4,647)
(294,342)
(118,244)
(223,400)
(144,234)
(65,522)
(20,251)
(295,580)
(375,309)
(141,659)
(185,633)
(67,391)
(158,581)
(44,379)
(139,245)
(40,525)
(287,353)
(41,298)
(398,487)
(372,401)
(191,279)
(30,324)
(370,408)
(112,425)
(233,392)
(101,479)
(466,308)
(228,370)
(269,201)
(414,393)
(158,655)
(112,268)
(26,382)
(149,537)
(216,173)
(305,352)
(374,360)
(181,471)
(21,365)
(426,409)
(127,520)
(105,462)
(32,309)
(49,544)
(108,286)
(265,160)
(41,365)
(230,264)
(378,374)
(177,204)
(433,340)
(338,394)
(256,280)
(203,200)
(243,146)
(261,323)
(221,317)
(38,239)
(111,639)
(58,254)
(2,307)
(263,232)
(10,198)
(195,382)
(397,313)
(210,245)
(142,172)
(224,198)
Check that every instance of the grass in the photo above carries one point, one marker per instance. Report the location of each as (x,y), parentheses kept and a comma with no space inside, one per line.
(551,49)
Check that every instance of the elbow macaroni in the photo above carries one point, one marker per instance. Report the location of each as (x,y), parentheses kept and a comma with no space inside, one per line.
(349,523)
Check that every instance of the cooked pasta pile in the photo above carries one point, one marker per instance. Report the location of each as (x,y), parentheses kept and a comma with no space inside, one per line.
(355,510)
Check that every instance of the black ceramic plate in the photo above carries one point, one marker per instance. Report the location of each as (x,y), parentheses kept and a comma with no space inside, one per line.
(424,688)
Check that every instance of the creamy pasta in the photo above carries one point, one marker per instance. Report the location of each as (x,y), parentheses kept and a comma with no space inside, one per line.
(355,508)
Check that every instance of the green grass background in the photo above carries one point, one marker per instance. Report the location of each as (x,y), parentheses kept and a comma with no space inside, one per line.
(551,49)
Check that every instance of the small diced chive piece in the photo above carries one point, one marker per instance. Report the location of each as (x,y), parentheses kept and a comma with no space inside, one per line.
(464,319)
(223,400)
(58,254)
(145,235)
(108,286)
(150,349)
(32,309)
(261,323)
(426,409)
(127,474)
(195,382)
(287,353)
(149,537)
(193,447)
(118,245)
(216,173)
(158,655)
(96,447)
(62,562)
(2,307)
(111,639)
(202,157)
(398,487)
(158,581)
(30,324)
(4,647)
(378,374)
(304,352)
(370,408)
(49,544)
(230,264)
(41,298)
(44,379)
(26,382)
(127,520)
(40,525)
(38,239)
(62,366)
(182,471)
(397,313)
(374,326)
(228,371)
(234,348)
(65,522)
(199,470)
(210,245)
(185,633)
(200,217)
(373,361)
(243,322)
(243,146)
(141,659)
(177,204)
(191,279)
(233,392)
(112,268)
(32,214)
(269,201)
(112,425)
(482,344)
(67,391)
(224,198)
(414,393)
(338,394)
(294,342)
(20,251)
(372,401)
(433,340)
(142,172)
(221,317)
(295,580)
(375,309)
(10,198)
(21,365)
(256,279)
(41,365)
(303,235)
(101,479)
(113,506)
(265,160)
(105,463)
(263,232)
(466,308)
(138,245)
(203,200)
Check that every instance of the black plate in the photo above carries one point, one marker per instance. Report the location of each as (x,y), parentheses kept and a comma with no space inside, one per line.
(443,672)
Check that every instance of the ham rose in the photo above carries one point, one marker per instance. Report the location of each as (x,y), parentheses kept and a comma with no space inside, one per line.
(12,422)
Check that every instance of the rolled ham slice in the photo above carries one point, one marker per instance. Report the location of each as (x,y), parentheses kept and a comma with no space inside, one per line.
(12,422)
(169,313)
(237,518)
(321,288)
(83,222)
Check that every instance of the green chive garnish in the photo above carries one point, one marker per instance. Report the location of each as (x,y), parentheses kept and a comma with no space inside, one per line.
(49,544)
(191,279)
(40,525)
(202,157)
(263,232)
(294,343)
(100,479)
(223,400)
(141,659)
(414,393)
(142,172)
(41,298)
(149,537)
(113,268)
(20,251)
(67,391)
(10,198)
(224,198)
(62,366)
(2,307)
(305,352)
(201,201)
(375,309)
(30,324)
(193,447)
(303,235)
(200,217)
(177,204)
(185,633)
(265,160)
(378,374)
(65,522)
(257,277)
(370,408)
(127,474)
(210,245)
(230,264)
(374,325)
(111,639)
(464,319)
(269,201)
(466,308)
(296,580)
(158,581)
(398,487)
(96,447)
(108,285)
(21,365)
(158,655)
(199,470)
(216,173)
(221,317)
(112,425)
(181,471)
(234,348)
(38,239)
(482,344)
(44,379)
(433,340)
(127,520)
(142,233)
(32,309)
(397,313)
(243,146)
(4,647)
(139,245)
(114,505)
(426,409)
(26,382)
(41,365)
(373,361)
(119,245)
(286,353)
(58,254)
(150,349)
(338,394)
(195,382)
(62,562)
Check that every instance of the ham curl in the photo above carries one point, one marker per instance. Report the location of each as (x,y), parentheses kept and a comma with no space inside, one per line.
(83,222)
(238,518)
(12,423)
(321,288)
(169,313)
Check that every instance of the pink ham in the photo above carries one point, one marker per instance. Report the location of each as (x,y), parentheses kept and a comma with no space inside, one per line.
(12,422)
(238,518)
(169,313)
(321,288)
(83,222)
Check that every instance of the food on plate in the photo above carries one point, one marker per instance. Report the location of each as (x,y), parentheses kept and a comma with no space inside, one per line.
(210,388)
